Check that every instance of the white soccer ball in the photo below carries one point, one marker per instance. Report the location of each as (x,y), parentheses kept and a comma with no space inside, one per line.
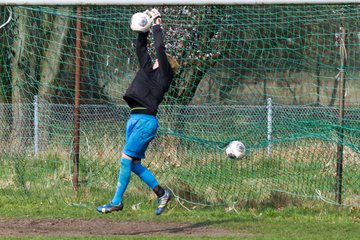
(235,149)
(140,22)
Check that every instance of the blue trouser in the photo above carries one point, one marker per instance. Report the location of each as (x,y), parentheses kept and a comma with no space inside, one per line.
(140,130)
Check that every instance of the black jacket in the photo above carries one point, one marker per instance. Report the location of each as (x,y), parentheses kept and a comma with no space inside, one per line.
(149,86)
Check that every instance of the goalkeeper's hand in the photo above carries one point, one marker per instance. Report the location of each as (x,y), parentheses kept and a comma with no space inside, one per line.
(154,15)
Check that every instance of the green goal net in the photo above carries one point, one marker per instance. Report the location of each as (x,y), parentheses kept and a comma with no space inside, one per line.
(283,79)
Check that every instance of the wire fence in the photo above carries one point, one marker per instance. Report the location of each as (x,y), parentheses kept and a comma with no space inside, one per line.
(212,124)
(290,149)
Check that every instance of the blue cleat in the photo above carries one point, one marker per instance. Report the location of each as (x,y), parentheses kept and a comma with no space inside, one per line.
(162,202)
(110,207)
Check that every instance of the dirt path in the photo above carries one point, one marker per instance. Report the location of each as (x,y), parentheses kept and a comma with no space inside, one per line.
(80,227)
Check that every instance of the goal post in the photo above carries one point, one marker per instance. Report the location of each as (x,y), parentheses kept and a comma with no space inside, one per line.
(169,2)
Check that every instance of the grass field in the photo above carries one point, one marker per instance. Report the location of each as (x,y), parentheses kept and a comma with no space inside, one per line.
(260,197)
(308,221)
(37,200)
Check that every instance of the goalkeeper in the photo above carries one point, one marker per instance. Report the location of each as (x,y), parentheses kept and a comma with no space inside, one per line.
(143,96)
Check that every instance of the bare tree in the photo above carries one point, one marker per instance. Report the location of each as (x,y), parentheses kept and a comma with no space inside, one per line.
(50,62)
(49,67)
(5,90)
(21,94)
(196,44)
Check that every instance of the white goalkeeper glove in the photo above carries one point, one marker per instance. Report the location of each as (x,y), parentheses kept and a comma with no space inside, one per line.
(154,15)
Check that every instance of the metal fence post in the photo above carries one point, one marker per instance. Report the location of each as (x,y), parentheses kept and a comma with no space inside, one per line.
(269,125)
(36,125)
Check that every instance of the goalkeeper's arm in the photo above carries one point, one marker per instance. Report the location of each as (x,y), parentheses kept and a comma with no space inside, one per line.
(142,51)
(164,65)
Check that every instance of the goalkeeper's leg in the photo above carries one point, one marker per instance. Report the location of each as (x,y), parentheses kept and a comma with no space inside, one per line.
(123,181)
(147,177)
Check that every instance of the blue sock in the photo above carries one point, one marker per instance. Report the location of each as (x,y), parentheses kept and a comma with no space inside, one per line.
(123,181)
(144,174)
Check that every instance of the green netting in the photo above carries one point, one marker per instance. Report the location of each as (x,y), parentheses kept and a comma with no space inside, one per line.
(267,75)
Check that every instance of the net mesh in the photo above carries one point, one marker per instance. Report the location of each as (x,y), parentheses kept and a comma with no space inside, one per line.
(267,75)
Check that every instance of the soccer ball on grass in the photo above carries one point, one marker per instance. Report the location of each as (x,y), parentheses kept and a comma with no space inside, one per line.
(235,150)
